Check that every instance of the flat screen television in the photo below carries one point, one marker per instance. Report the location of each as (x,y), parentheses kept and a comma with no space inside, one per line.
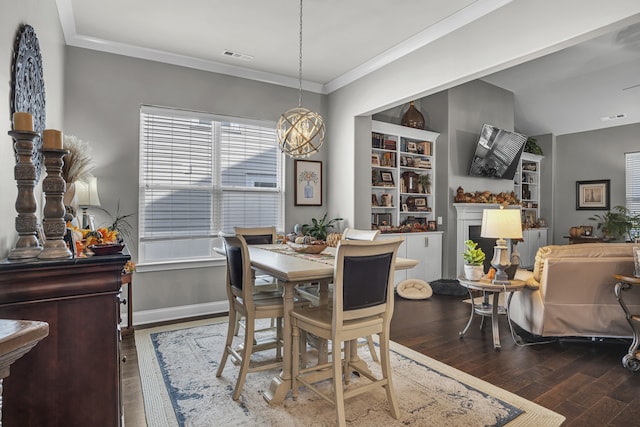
(497,153)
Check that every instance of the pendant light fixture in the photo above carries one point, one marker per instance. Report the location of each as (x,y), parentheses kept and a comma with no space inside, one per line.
(300,131)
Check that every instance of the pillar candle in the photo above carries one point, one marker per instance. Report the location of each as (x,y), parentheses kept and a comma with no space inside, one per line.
(22,121)
(52,139)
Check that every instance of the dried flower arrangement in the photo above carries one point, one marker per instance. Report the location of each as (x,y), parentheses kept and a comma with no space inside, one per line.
(78,164)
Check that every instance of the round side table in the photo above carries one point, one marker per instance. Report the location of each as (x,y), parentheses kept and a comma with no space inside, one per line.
(486,309)
(631,360)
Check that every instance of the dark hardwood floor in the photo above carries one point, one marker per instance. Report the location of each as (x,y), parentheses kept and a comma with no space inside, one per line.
(581,379)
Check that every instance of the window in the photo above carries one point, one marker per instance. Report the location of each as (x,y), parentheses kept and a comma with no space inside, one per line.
(201,174)
(632,201)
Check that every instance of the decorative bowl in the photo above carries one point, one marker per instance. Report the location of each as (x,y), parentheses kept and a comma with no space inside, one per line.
(307,249)
(107,248)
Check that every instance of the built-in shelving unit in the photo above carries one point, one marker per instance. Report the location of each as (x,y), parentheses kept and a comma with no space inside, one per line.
(526,185)
(401,157)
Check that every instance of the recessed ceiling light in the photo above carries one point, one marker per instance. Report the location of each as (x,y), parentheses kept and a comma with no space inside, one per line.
(613,117)
(237,55)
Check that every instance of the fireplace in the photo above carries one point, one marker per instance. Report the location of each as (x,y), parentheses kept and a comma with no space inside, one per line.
(469,221)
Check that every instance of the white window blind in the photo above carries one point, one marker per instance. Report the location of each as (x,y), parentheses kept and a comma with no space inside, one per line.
(632,179)
(201,174)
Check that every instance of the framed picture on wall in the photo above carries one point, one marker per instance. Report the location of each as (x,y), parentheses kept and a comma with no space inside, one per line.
(308,183)
(593,195)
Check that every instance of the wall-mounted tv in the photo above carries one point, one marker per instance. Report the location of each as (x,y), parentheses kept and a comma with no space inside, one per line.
(497,153)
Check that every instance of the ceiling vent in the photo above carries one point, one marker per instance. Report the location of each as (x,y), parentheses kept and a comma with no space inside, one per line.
(613,117)
(237,55)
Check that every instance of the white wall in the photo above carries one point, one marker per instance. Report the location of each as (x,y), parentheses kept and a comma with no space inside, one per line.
(42,15)
(103,97)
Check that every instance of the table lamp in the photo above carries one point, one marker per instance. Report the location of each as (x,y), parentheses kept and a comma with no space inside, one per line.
(87,194)
(501,224)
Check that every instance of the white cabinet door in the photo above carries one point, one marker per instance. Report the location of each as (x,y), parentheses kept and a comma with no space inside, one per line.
(426,248)
(534,239)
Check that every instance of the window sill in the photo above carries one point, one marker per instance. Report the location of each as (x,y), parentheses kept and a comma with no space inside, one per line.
(180,265)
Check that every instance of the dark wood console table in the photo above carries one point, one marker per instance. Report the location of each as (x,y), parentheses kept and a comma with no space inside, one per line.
(72,377)
(586,239)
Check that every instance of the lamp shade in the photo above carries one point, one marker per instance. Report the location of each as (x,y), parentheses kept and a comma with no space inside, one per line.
(87,192)
(501,224)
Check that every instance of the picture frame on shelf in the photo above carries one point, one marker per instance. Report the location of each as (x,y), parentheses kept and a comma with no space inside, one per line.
(593,195)
(308,182)
(530,218)
(384,219)
(420,203)
(386,178)
(432,226)
(412,147)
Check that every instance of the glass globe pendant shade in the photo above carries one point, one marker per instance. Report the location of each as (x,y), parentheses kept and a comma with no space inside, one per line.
(300,132)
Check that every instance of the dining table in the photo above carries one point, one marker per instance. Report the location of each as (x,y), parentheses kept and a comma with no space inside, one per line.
(291,268)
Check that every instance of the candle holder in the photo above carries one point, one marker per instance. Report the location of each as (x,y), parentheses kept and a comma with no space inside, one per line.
(27,246)
(54,224)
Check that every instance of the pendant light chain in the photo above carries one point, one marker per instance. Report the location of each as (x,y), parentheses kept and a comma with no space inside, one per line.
(300,62)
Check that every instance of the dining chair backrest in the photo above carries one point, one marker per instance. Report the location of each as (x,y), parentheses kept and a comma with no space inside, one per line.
(257,235)
(363,279)
(355,234)
(238,268)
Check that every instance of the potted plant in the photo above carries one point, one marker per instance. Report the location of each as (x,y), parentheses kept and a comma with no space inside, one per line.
(473,260)
(617,223)
(424,180)
(319,228)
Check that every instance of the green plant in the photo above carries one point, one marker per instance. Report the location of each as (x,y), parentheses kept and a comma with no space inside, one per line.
(319,228)
(532,147)
(425,181)
(119,223)
(616,223)
(473,255)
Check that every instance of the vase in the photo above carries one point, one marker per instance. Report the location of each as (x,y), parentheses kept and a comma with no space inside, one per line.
(413,118)
(473,272)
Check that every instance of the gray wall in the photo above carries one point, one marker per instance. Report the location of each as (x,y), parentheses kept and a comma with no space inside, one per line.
(43,17)
(103,97)
(584,156)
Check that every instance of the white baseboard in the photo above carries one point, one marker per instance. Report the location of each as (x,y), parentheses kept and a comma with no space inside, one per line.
(175,313)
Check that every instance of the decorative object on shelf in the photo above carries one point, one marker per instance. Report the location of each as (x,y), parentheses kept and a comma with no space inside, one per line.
(531,146)
(501,224)
(424,183)
(319,228)
(308,183)
(28,88)
(300,131)
(473,260)
(54,187)
(27,246)
(410,179)
(413,118)
(486,197)
(119,225)
(87,194)
(592,195)
(107,248)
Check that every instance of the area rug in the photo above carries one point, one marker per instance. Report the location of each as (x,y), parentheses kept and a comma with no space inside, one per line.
(178,365)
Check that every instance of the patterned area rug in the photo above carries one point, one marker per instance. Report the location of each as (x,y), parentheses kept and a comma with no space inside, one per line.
(178,365)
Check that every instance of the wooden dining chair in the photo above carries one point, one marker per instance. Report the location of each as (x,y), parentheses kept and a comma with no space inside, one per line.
(265,286)
(362,306)
(310,292)
(239,286)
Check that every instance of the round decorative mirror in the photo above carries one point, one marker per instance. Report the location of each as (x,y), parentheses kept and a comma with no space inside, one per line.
(28,86)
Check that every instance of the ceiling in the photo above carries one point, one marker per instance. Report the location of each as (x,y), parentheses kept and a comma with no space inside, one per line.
(564,92)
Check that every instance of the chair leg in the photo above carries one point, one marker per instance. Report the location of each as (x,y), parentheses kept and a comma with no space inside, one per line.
(385,364)
(346,363)
(249,331)
(295,358)
(372,349)
(227,345)
(338,391)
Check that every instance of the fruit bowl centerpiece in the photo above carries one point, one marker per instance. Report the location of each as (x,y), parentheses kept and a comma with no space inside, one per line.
(106,248)
(314,247)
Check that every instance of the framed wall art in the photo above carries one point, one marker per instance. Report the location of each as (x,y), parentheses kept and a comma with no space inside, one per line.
(308,183)
(593,195)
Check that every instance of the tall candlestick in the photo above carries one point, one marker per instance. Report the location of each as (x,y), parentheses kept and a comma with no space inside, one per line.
(53,223)
(22,121)
(52,139)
